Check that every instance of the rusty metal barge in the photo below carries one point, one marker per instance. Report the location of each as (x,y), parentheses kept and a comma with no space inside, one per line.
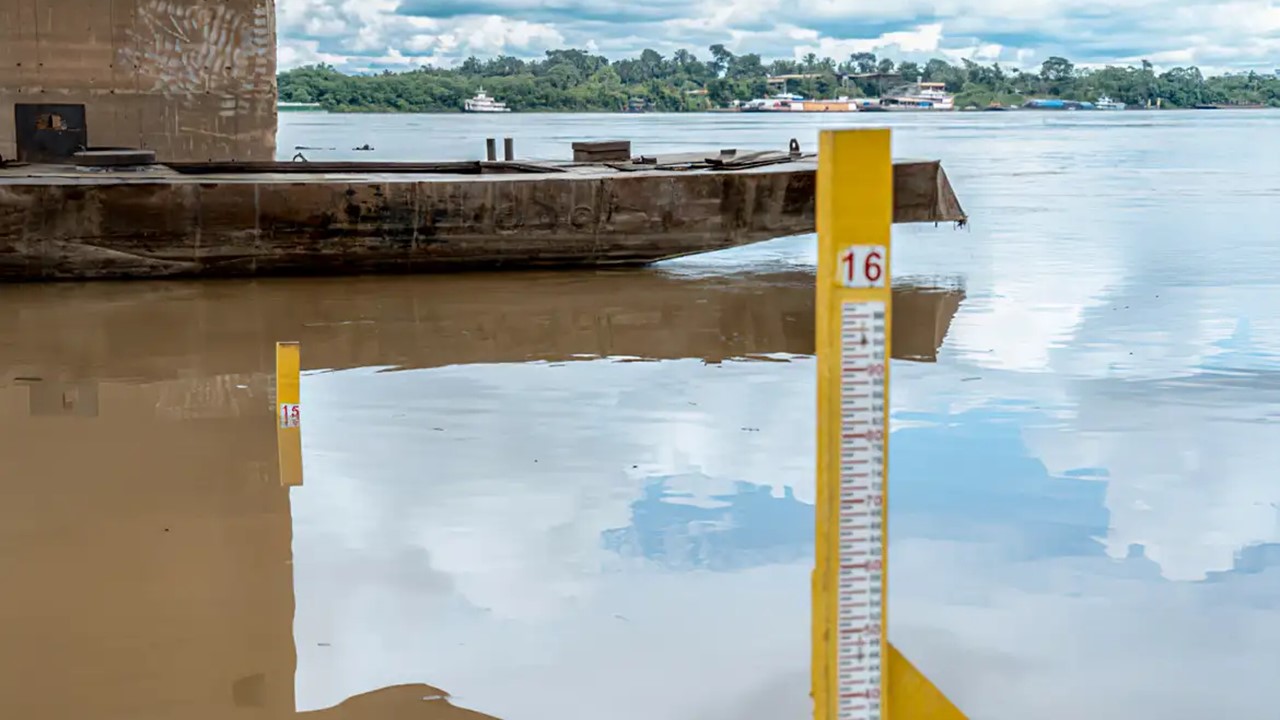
(226,219)
(179,98)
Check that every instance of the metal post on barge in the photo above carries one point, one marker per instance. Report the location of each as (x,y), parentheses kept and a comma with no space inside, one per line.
(857,673)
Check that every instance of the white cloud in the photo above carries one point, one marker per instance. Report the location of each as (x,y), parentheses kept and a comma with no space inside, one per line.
(479,526)
(367,34)
(495,34)
(470,555)
(1066,638)
(305,52)
(923,39)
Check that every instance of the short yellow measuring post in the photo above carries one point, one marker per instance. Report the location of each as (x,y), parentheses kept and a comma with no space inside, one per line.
(289,412)
(857,675)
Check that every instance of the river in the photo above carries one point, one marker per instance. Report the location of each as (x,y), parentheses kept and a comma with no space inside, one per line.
(568,496)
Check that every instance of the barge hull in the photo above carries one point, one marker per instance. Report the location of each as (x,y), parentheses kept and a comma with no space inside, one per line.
(68,224)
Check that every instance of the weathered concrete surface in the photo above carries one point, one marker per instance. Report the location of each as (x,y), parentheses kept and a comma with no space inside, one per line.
(190,79)
(82,225)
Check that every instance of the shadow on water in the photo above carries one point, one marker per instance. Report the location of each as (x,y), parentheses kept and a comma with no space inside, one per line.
(149,552)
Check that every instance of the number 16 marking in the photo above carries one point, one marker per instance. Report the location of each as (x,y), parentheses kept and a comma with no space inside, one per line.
(862,266)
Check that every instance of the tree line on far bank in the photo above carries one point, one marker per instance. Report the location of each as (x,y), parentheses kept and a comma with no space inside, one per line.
(575,80)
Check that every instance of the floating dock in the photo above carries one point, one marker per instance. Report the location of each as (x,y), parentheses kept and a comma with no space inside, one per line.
(228,219)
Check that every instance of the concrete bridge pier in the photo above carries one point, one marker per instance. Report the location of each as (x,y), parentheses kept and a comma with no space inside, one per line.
(193,80)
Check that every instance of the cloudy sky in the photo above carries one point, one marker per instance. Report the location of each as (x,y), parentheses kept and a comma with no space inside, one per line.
(374,34)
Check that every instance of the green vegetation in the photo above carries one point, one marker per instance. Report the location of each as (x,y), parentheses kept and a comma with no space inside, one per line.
(574,80)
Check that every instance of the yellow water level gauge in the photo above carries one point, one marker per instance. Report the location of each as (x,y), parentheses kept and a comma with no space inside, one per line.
(288,407)
(857,674)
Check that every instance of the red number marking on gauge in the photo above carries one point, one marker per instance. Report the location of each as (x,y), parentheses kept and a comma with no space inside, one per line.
(862,266)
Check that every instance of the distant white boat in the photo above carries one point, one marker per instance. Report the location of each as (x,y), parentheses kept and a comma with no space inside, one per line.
(924,96)
(482,103)
(1106,103)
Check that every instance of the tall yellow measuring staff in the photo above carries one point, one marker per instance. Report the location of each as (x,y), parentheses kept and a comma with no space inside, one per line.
(857,674)
(289,412)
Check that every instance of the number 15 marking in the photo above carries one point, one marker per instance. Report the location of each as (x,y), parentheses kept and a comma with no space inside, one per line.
(861,266)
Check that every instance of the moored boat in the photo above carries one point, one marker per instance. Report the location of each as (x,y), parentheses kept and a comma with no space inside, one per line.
(1057,104)
(840,104)
(482,103)
(782,102)
(1229,106)
(788,102)
(924,96)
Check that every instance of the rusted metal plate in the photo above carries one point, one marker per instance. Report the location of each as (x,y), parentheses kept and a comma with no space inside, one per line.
(609,150)
(49,133)
(108,158)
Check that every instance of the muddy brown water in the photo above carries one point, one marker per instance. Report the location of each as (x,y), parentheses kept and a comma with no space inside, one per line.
(156,570)
(585,495)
